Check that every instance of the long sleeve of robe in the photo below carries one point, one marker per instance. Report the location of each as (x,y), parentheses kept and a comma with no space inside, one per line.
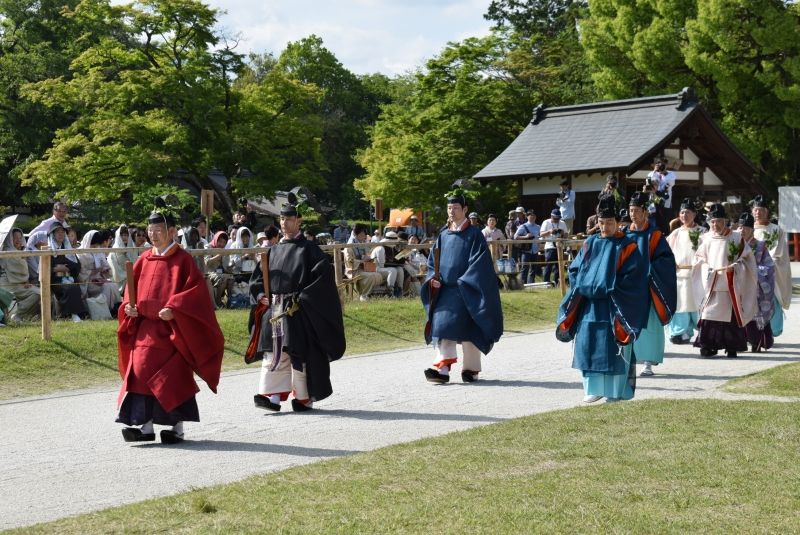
(660,268)
(468,305)
(604,308)
(158,357)
(779,251)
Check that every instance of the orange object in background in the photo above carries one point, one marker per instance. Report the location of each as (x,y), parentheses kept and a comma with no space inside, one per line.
(401,217)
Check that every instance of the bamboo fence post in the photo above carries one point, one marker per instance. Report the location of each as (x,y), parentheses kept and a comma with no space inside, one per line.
(337,264)
(46,304)
(560,252)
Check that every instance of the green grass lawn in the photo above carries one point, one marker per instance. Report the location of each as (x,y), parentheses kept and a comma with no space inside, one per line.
(779,381)
(85,354)
(660,466)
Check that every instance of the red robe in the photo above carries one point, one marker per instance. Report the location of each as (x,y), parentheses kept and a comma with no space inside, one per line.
(157,357)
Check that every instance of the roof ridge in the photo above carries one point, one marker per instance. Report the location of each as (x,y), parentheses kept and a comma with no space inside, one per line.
(672,98)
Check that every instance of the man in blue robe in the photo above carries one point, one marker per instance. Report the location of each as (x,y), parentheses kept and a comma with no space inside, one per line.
(461,297)
(662,296)
(604,310)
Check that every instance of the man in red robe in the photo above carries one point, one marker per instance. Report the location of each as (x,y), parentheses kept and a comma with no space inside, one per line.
(166,336)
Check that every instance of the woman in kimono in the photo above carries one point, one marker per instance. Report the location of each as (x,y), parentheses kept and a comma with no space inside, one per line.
(65,270)
(116,261)
(95,274)
(759,330)
(15,278)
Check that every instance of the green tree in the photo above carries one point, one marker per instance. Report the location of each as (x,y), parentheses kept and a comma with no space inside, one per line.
(464,111)
(38,40)
(741,58)
(346,110)
(147,103)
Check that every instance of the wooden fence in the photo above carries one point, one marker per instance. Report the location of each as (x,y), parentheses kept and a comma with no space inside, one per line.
(335,250)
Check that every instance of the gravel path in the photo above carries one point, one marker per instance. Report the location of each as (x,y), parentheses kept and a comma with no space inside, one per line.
(63,454)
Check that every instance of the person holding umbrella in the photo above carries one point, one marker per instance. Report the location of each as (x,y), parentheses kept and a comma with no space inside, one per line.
(460,296)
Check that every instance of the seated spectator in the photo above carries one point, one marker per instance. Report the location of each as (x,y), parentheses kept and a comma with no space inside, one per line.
(354,259)
(376,235)
(592,225)
(415,265)
(65,269)
(220,278)
(122,240)
(342,232)
(415,229)
(242,265)
(201,225)
(15,278)
(36,242)
(261,239)
(383,256)
(72,236)
(310,236)
(95,276)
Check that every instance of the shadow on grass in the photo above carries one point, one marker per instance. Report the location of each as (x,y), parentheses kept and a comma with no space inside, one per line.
(376,329)
(388,415)
(84,357)
(252,447)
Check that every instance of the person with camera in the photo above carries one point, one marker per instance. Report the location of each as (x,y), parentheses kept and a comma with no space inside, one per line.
(566,202)
(664,180)
(551,230)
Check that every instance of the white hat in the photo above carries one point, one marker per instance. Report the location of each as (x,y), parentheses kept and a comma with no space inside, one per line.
(520,209)
(261,236)
(391,235)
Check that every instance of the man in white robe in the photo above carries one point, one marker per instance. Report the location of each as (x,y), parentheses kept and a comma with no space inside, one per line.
(726,280)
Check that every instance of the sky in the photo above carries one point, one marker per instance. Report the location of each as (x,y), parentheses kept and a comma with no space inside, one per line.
(366,36)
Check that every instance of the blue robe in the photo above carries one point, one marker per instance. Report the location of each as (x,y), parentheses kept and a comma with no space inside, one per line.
(662,297)
(604,309)
(467,306)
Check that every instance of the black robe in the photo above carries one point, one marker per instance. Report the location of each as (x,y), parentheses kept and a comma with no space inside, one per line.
(313,336)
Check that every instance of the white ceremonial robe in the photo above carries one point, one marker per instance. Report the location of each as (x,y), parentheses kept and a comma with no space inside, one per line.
(779,251)
(721,295)
(681,245)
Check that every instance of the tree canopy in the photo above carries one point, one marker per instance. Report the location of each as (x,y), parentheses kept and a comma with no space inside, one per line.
(105,101)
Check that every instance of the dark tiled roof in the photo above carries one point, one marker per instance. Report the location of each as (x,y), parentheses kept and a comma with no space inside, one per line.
(595,137)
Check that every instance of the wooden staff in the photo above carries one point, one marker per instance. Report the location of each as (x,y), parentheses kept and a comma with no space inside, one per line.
(131,283)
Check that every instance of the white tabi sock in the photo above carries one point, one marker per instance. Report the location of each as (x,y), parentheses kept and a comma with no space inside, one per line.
(444,370)
(147,428)
(178,428)
(275,398)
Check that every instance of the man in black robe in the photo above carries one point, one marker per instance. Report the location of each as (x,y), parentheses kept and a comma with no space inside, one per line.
(300,314)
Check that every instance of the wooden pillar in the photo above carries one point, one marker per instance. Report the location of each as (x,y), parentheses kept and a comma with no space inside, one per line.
(46,300)
(562,283)
(207,203)
(796,244)
(337,264)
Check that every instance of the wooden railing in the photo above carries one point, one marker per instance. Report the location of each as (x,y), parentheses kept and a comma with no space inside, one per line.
(335,250)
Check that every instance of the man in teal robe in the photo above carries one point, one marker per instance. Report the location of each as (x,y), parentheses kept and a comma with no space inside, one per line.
(662,294)
(604,310)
